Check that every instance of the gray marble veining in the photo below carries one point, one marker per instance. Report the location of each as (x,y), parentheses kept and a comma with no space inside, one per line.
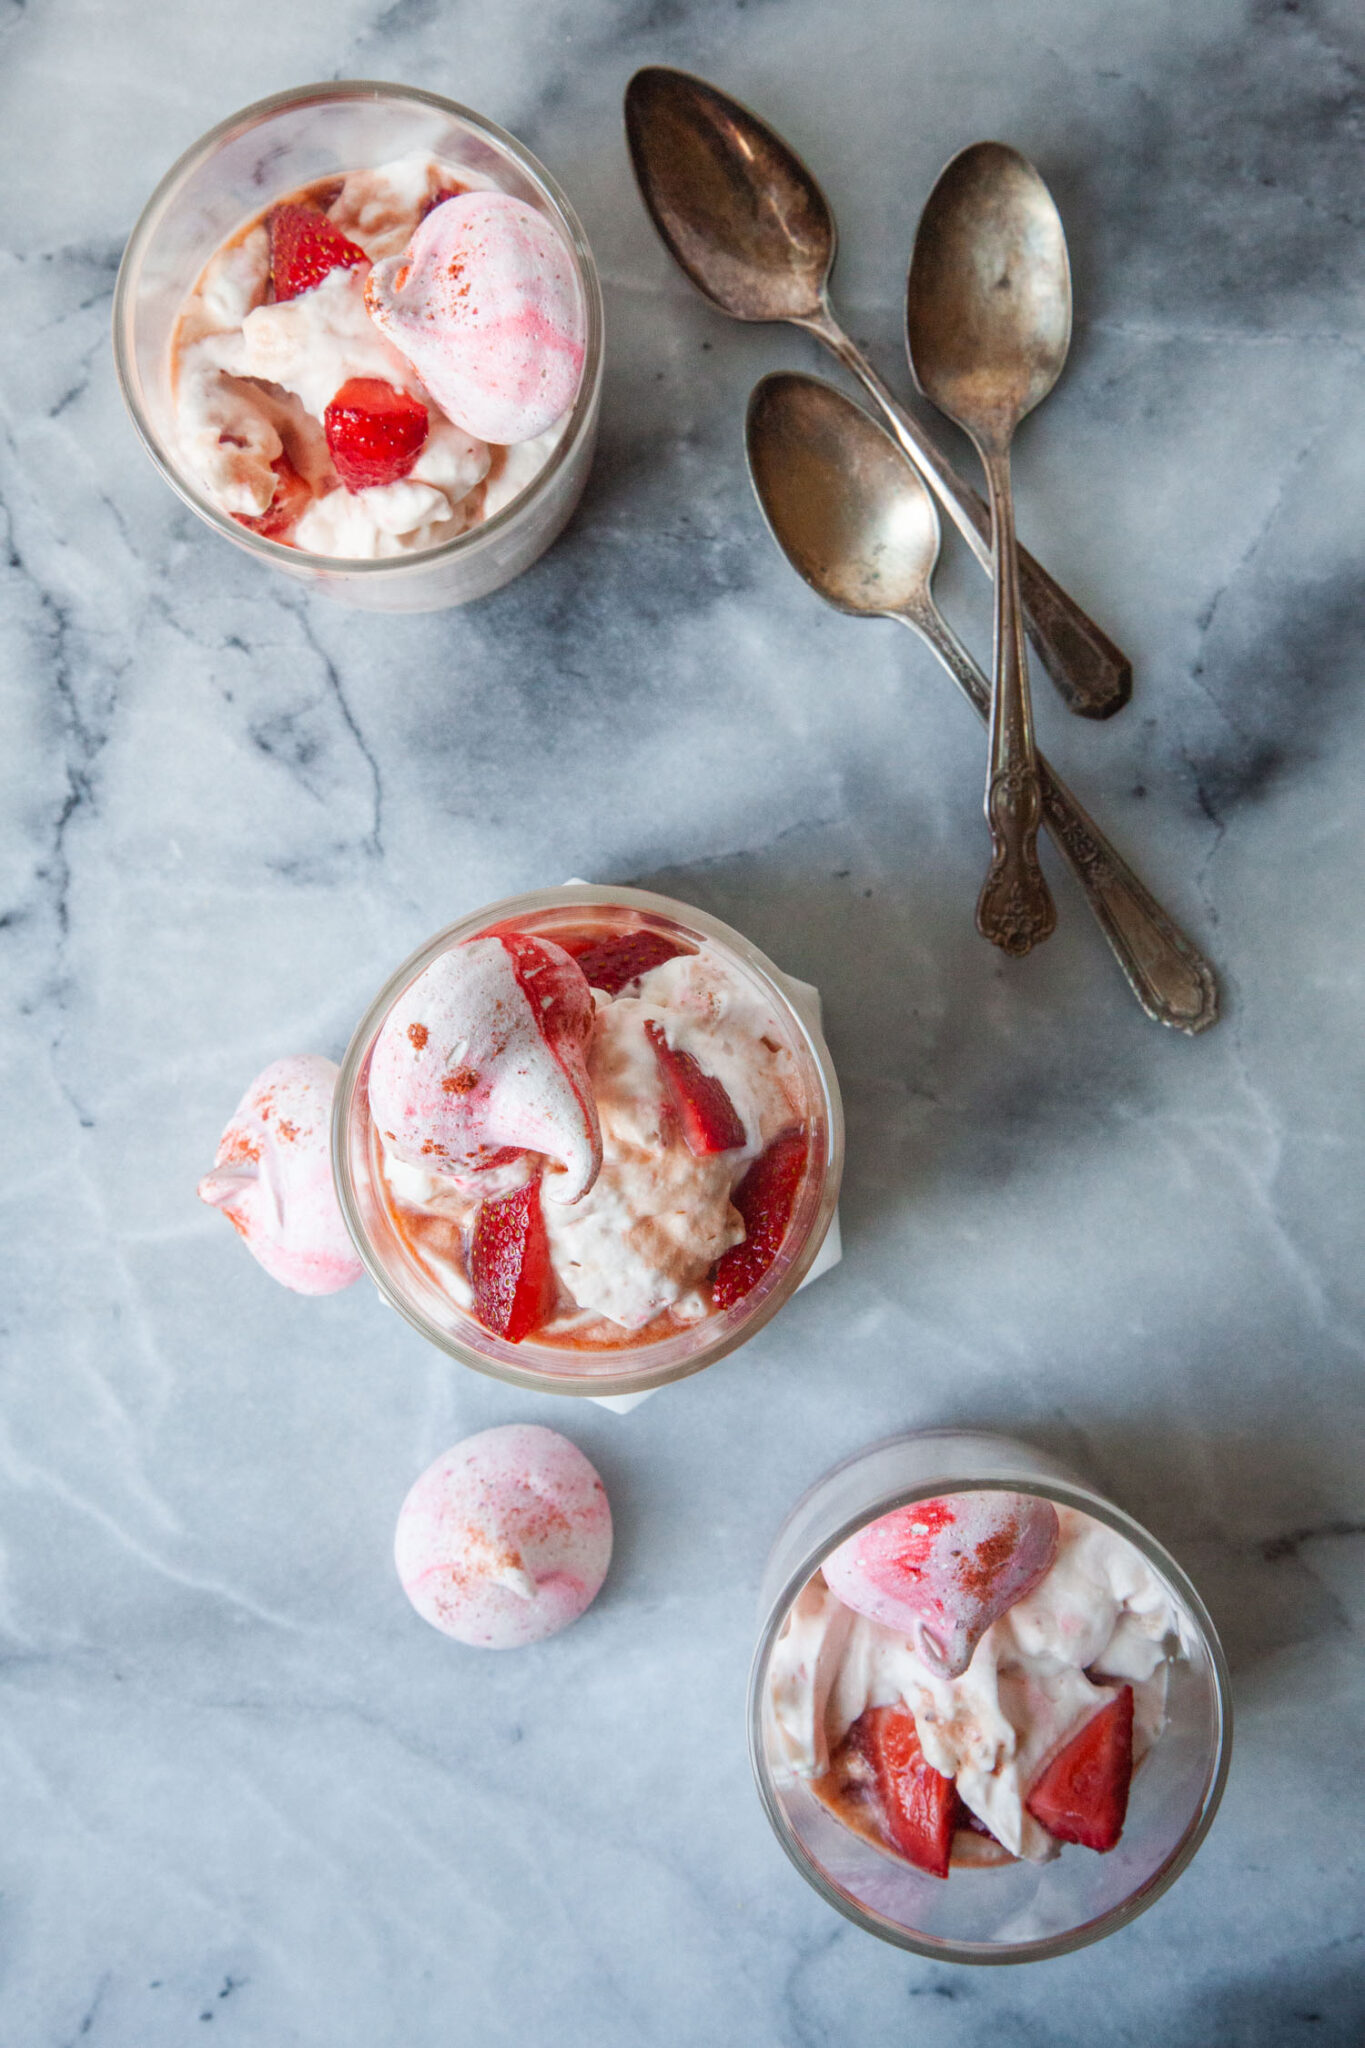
(241,1786)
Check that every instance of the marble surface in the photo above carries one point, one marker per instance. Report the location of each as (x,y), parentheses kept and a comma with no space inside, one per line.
(242,1787)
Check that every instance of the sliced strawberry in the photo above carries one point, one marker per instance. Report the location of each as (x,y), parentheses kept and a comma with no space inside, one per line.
(613,963)
(919,1806)
(509,1265)
(292,498)
(375,433)
(765,1199)
(1082,1796)
(710,1122)
(304,247)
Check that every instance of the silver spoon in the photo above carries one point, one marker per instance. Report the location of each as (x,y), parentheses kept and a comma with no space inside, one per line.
(747,223)
(988,325)
(854,520)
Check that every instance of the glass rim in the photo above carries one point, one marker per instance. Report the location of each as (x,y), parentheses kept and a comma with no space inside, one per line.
(473,539)
(1071,1492)
(639,1377)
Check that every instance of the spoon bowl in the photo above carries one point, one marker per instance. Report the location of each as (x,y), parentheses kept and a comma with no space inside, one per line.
(749,226)
(987,323)
(856,523)
(845,506)
(737,208)
(988,306)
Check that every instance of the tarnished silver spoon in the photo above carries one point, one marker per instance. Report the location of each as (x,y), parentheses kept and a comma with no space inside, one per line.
(747,223)
(988,325)
(854,520)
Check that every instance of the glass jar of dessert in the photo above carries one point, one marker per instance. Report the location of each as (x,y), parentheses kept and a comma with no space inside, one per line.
(588,1140)
(989,1715)
(359,330)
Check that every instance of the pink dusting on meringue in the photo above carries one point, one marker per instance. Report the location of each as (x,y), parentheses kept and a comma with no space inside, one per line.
(272,1177)
(506,1539)
(486,307)
(485,1056)
(940,1572)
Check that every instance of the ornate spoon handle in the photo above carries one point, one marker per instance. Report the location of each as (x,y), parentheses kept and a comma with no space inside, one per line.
(1093,677)
(1169,976)
(1173,982)
(1015,910)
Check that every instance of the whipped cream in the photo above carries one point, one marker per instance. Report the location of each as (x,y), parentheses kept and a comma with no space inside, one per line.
(512,469)
(311,345)
(379,209)
(647,1234)
(437,499)
(229,432)
(1099,1610)
(252,380)
(642,1240)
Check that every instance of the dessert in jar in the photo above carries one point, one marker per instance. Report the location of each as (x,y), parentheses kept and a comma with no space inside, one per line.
(989,1714)
(359,330)
(588,1136)
(380,361)
(976,1678)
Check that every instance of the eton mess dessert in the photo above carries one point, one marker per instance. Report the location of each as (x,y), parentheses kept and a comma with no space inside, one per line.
(975,1679)
(380,361)
(506,1539)
(589,1140)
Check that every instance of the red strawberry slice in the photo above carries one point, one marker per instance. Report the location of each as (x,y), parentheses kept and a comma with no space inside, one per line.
(613,963)
(304,247)
(375,433)
(765,1199)
(1082,1796)
(710,1122)
(509,1265)
(292,498)
(919,1806)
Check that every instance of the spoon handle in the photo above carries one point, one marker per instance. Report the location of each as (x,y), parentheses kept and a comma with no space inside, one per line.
(1093,677)
(1169,976)
(1015,910)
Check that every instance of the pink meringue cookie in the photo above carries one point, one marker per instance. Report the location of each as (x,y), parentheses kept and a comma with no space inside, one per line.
(486,307)
(942,1571)
(485,1055)
(506,1539)
(272,1177)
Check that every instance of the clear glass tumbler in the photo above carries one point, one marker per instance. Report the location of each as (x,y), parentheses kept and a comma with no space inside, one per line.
(1023,1911)
(231,176)
(549,1368)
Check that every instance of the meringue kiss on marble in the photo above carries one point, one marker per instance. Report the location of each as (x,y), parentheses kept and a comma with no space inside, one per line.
(272,1177)
(506,1538)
